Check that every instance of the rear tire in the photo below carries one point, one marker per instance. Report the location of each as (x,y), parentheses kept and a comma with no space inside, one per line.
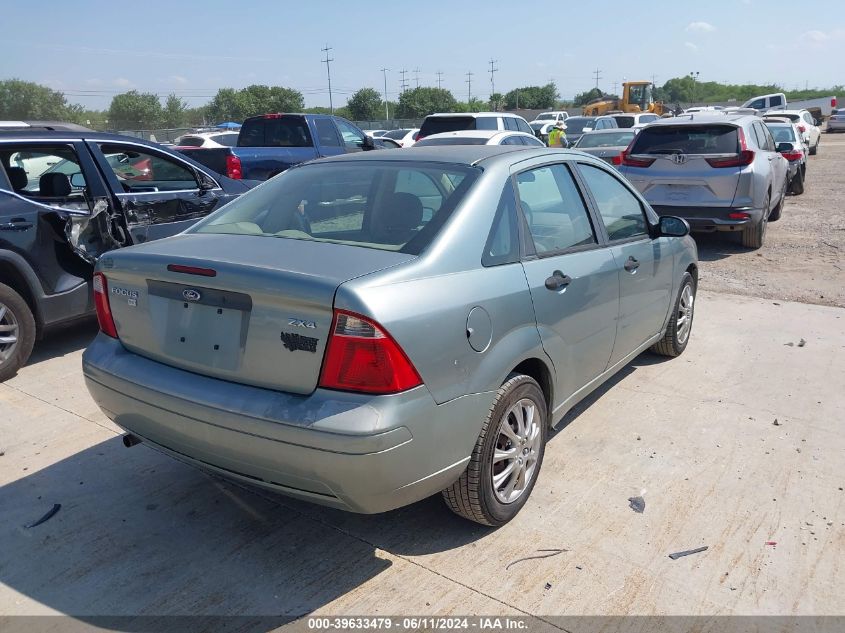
(493,492)
(17,332)
(814,149)
(796,188)
(675,340)
(754,236)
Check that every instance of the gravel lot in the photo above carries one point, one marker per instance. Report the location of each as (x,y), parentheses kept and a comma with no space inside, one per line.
(803,258)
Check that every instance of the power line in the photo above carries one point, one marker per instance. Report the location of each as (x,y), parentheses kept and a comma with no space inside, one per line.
(493,70)
(327,61)
(469,85)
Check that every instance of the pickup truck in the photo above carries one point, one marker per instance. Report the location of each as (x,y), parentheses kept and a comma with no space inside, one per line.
(270,143)
(68,196)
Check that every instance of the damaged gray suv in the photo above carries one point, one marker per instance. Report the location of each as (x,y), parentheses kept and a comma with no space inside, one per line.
(66,197)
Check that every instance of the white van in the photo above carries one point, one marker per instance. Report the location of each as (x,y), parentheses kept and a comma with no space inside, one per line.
(766,103)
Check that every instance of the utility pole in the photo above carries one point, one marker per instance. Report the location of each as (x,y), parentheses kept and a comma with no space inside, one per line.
(615,83)
(694,74)
(598,76)
(403,84)
(493,70)
(654,80)
(469,86)
(439,79)
(327,61)
(386,109)
(417,76)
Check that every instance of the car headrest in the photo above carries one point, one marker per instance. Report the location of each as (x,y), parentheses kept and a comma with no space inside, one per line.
(54,185)
(401,213)
(17,177)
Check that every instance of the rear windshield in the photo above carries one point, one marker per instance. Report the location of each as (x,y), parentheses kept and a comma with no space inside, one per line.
(615,139)
(545,117)
(452,140)
(395,206)
(190,141)
(396,134)
(625,121)
(781,133)
(576,125)
(687,139)
(439,124)
(286,131)
(230,139)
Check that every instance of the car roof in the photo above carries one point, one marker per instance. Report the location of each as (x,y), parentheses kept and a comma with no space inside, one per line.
(447,154)
(612,130)
(697,118)
(471,114)
(782,112)
(42,125)
(69,135)
(488,134)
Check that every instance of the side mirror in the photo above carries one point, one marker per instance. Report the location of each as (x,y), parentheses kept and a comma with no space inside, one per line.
(367,143)
(77,181)
(671,226)
(784,147)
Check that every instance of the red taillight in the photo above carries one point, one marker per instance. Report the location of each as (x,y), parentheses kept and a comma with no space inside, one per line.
(233,167)
(802,128)
(101,303)
(793,155)
(192,270)
(275,115)
(630,161)
(616,160)
(738,216)
(361,356)
(833,102)
(743,159)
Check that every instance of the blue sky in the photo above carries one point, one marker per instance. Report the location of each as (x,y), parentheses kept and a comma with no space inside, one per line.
(92,49)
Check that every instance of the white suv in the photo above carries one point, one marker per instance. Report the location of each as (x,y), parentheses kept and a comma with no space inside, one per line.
(810,132)
(457,121)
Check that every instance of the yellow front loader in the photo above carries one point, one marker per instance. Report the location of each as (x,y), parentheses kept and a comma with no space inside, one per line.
(636,97)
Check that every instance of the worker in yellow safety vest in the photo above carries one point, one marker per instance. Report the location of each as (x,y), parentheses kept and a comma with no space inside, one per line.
(554,135)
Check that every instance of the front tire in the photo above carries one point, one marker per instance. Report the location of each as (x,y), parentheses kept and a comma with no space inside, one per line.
(814,149)
(507,457)
(17,332)
(676,338)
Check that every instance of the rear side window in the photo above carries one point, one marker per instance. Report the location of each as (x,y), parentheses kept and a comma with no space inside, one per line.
(510,124)
(285,131)
(326,133)
(777,100)
(383,205)
(440,124)
(503,243)
(556,214)
(687,139)
(29,170)
(229,140)
(624,121)
(620,210)
(487,123)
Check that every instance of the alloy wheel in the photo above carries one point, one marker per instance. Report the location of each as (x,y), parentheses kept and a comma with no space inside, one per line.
(516,451)
(8,333)
(685,309)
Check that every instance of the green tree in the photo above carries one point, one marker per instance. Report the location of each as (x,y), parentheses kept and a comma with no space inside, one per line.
(135,110)
(585,97)
(28,100)
(497,100)
(420,102)
(236,105)
(532,97)
(365,105)
(174,111)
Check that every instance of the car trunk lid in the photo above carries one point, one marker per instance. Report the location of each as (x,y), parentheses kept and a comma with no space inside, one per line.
(255,310)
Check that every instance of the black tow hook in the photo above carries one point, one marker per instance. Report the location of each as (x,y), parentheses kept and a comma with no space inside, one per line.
(130,440)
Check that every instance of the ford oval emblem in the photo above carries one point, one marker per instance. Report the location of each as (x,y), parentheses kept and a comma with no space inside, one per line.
(191,295)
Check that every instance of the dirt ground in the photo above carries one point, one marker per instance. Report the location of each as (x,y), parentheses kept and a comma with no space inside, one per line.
(803,258)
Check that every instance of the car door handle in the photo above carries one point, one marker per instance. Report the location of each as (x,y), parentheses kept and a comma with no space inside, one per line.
(16,224)
(631,265)
(558,280)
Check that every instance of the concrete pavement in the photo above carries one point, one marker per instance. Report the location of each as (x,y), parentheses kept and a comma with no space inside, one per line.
(696,437)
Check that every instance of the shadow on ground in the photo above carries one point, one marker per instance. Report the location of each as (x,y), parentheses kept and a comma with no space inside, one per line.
(64,340)
(718,245)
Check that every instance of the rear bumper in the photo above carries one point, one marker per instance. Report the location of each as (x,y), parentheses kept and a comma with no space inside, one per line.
(360,453)
(708,219)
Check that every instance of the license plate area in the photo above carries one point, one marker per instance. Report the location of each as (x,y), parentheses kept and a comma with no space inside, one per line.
(204,326)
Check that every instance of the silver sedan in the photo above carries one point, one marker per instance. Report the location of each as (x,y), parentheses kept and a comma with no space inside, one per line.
(368,330)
